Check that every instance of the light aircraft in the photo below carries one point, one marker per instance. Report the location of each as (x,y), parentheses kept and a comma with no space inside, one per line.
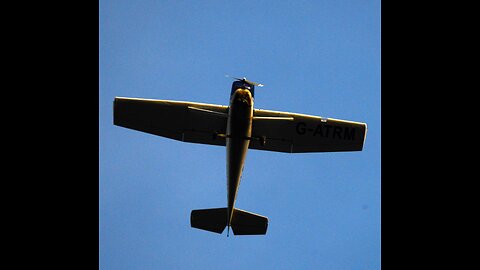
(239,127)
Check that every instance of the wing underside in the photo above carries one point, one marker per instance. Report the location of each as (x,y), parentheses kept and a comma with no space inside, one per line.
(299,133)
(182,121)
(271,130)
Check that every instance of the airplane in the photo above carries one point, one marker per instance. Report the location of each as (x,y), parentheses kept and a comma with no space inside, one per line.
(239,127)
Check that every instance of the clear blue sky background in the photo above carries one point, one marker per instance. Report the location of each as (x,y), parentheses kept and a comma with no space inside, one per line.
(314,57)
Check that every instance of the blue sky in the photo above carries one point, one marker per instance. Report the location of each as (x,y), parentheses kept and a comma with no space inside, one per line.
(314,57)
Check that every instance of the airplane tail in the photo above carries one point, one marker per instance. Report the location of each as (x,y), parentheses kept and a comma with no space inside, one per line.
(215,220)
(246,223)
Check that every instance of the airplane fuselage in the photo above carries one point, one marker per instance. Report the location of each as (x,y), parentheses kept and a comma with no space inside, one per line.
(239,131)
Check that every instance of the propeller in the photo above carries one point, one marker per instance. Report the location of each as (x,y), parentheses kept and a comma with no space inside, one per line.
(245,80)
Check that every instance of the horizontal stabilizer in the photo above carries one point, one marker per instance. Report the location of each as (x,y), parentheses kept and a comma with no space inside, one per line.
(246,223)
(213,220)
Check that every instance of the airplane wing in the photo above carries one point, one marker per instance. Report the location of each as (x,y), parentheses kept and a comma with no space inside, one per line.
(300,133)
(183,121)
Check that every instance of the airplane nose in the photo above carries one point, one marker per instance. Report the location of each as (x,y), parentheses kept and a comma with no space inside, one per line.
(244,97)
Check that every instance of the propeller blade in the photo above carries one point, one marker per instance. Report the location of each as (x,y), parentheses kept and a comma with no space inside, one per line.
(245,80)
(254,83)
(240,79)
